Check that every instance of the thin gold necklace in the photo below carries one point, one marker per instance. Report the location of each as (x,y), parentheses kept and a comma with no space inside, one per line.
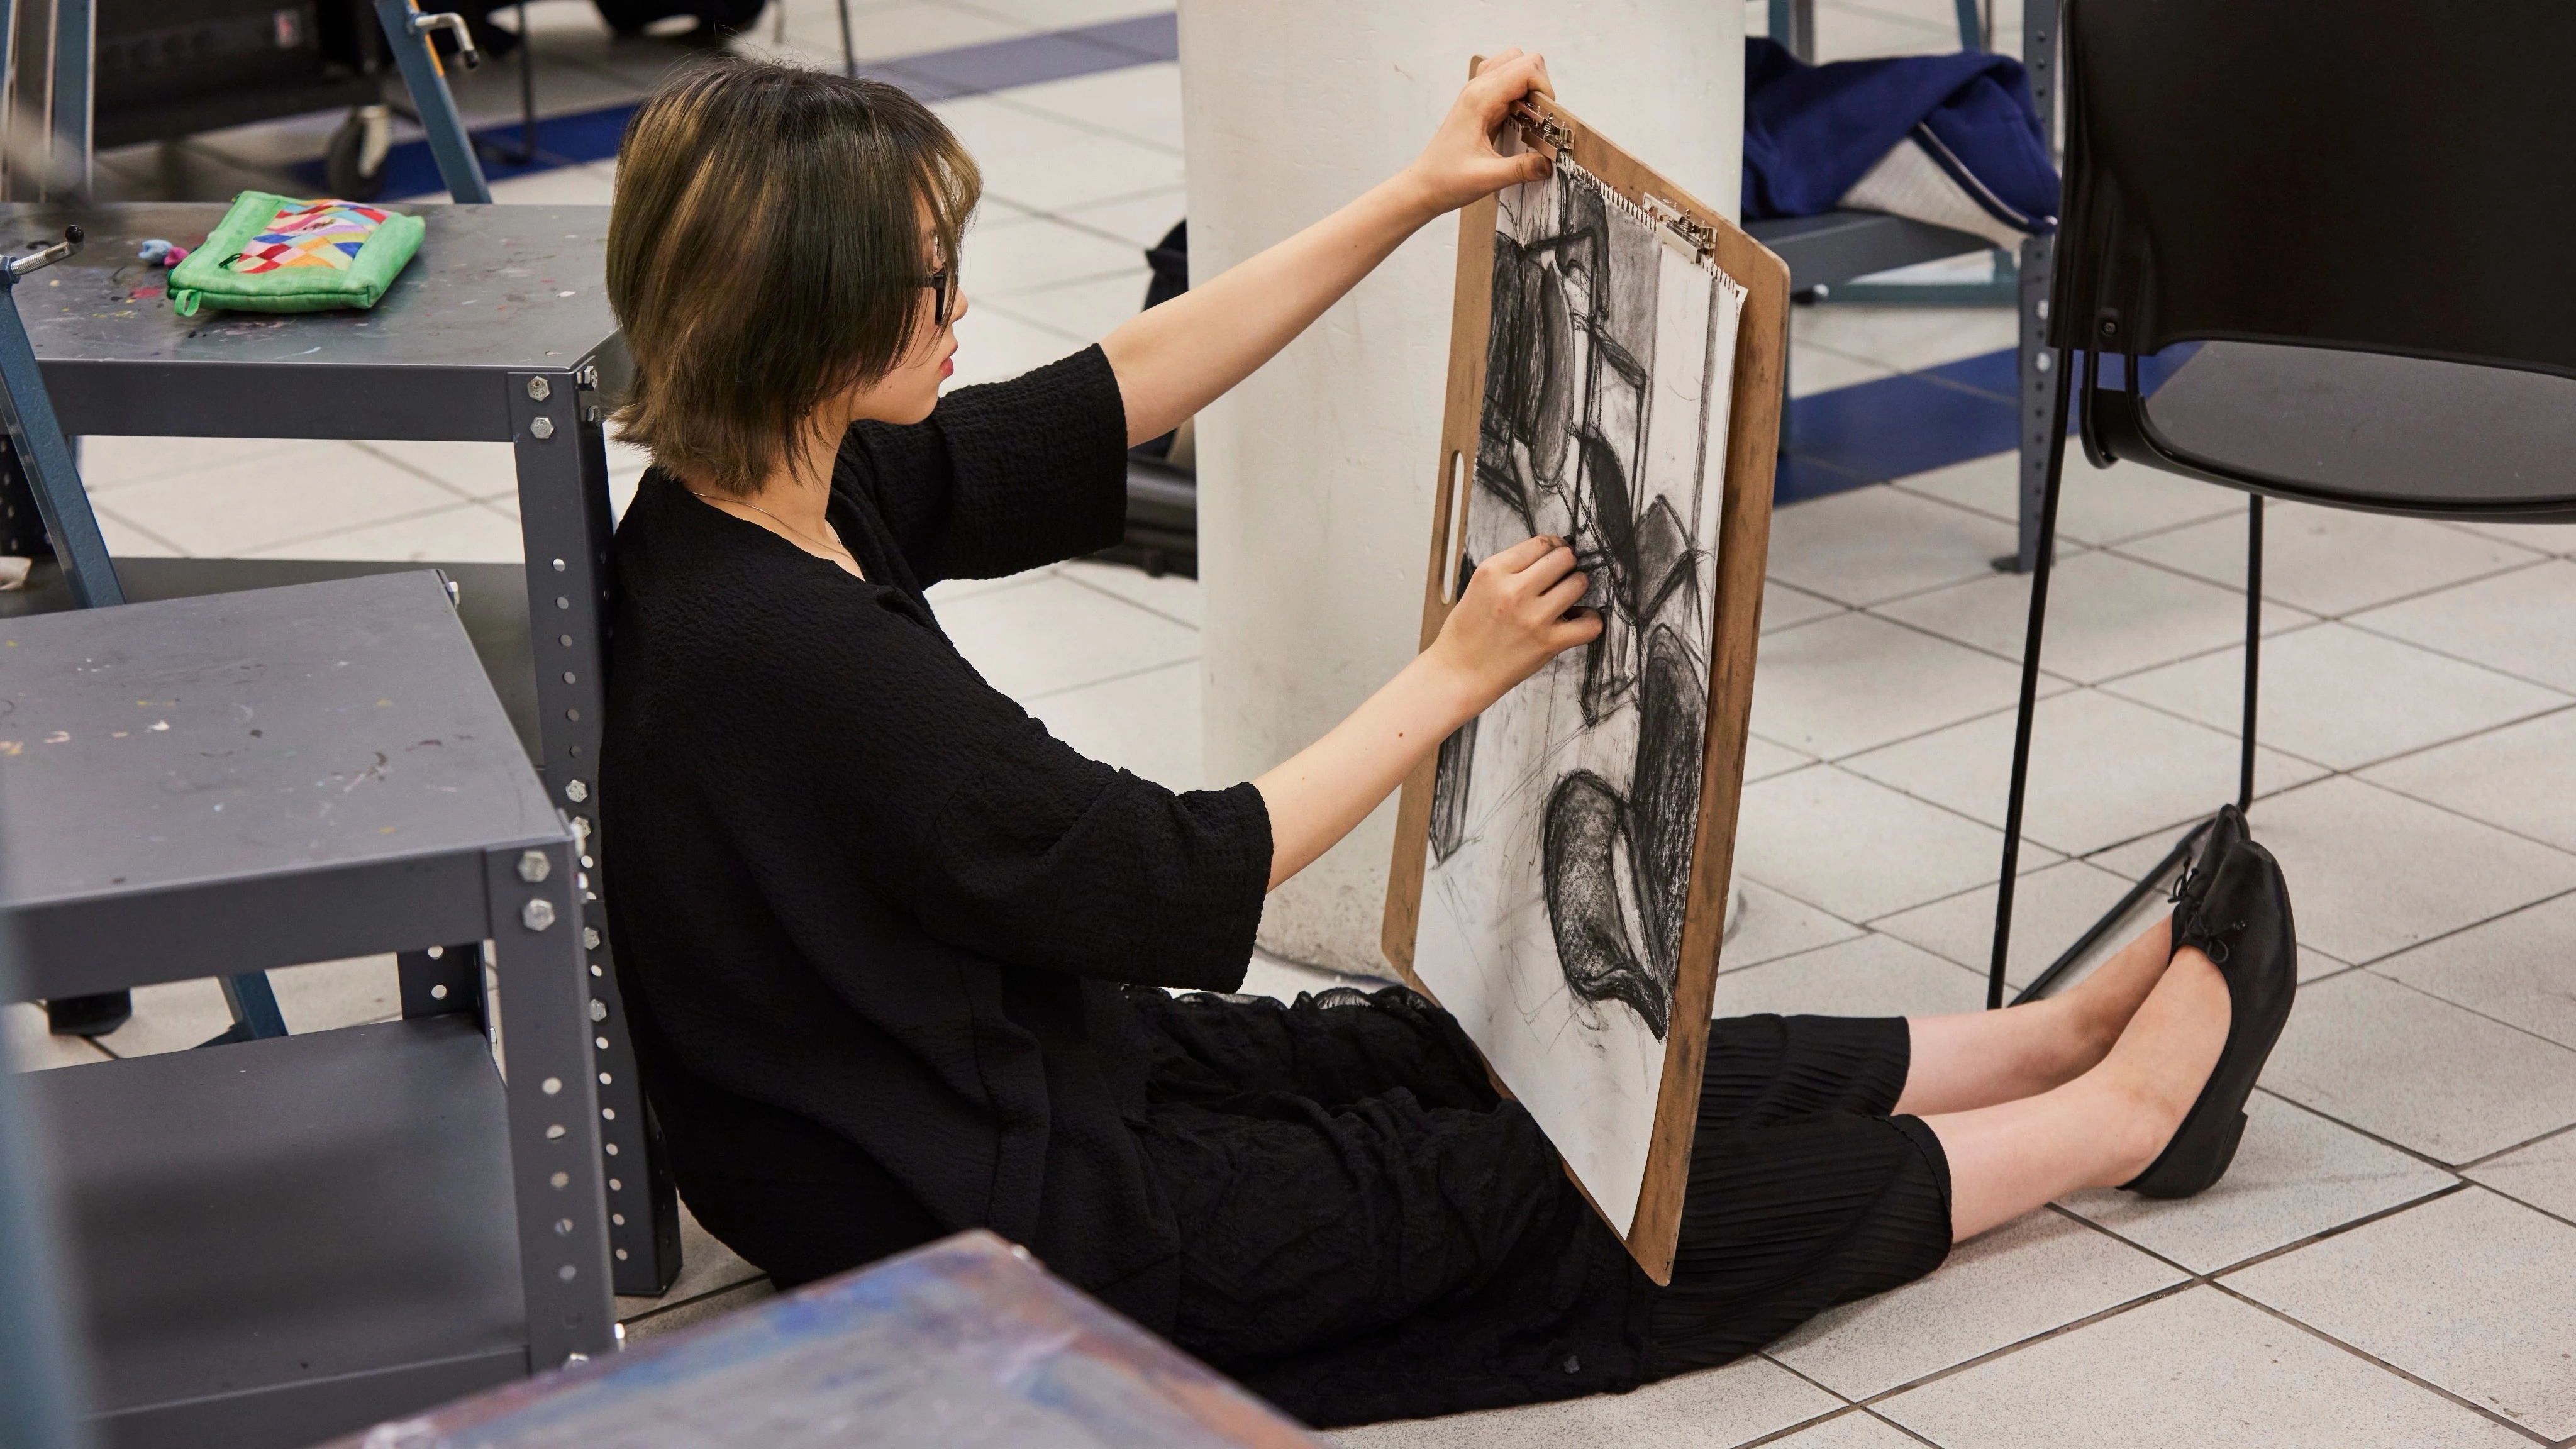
(714,501)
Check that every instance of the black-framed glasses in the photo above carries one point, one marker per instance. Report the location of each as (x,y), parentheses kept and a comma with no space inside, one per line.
(943,291)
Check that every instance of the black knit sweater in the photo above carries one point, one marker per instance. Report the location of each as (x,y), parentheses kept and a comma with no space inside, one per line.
(868,913)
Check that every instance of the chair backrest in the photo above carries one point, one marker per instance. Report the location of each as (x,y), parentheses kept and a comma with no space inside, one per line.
(2390,176)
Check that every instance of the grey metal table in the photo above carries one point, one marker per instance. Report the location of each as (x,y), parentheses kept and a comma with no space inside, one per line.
(280,1239)
(499,331)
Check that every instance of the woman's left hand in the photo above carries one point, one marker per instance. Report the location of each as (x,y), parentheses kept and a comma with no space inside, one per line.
(1461,163)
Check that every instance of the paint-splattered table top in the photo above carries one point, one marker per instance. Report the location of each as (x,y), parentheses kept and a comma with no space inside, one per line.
(493,290)
(321,730)
(964,1344)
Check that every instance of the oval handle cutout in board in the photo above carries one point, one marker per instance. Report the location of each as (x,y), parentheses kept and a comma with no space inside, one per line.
(1455,537)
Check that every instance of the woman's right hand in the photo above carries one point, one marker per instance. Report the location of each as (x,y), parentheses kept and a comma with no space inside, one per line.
(1517,613)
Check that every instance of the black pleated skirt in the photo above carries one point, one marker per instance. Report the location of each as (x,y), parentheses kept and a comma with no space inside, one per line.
(1369,1232)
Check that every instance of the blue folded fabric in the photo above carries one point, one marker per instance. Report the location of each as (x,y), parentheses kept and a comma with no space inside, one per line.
(1812,131)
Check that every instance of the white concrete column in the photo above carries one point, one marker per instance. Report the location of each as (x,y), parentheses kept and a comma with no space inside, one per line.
(1316,475)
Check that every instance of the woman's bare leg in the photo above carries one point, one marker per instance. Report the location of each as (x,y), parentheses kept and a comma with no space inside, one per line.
(2102,1128)
(1981,1058)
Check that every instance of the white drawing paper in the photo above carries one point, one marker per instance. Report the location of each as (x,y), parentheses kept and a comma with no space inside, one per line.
(1565,818)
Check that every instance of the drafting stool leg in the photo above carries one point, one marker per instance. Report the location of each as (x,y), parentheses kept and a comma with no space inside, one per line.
(555,1113)
(422,75)
(564,525)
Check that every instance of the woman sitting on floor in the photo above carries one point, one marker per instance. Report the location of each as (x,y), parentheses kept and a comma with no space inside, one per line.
(892,954)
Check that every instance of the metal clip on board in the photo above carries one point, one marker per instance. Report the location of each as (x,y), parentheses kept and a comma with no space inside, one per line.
(1699,236)
(1541,126)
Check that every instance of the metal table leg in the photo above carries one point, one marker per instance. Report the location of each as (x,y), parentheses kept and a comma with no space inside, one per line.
(564,525)
(557,1121)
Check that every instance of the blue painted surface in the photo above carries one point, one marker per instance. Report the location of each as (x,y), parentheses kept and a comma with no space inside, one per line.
(963,1344)
(942,75)
(1874,431)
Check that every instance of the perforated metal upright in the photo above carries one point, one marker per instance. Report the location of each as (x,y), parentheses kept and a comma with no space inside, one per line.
(564,526)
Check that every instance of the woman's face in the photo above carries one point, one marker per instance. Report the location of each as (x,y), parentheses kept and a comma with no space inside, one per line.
(908,392)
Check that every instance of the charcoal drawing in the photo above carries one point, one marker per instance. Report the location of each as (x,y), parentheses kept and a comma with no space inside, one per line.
(1564,819)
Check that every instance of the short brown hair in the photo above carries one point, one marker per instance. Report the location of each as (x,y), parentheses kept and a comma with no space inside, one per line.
(764,253)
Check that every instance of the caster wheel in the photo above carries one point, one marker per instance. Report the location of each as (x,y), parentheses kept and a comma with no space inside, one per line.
(354,168)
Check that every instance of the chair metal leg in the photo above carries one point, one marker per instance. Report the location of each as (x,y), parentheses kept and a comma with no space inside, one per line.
(2253,649)
(2029,697)
(2182,851)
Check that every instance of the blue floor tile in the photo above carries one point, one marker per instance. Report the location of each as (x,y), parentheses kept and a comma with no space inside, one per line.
(1995,374)
(1874,431)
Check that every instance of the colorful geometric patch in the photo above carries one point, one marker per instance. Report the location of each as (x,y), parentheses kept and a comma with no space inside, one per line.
(309,234)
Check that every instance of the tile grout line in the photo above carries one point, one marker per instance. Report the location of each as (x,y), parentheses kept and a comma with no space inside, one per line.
(1096,128)
(2193,1278)
(2071,690)
(2330,616)
(125,522)
(2371,1358)
(2370,764)
(268,549)
(2549,1213)
(1865,933)
(1122,598)
(1140,271)
(2017,1345)
(2496,728)
(660,1308)
(1046,327)
(2462,1006)
(367,446)
(2393,1145)
(2517,1147)
(1025,700)
(2365,627)
(2211,1280)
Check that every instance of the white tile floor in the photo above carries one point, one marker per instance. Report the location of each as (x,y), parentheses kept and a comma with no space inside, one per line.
(2393,1260)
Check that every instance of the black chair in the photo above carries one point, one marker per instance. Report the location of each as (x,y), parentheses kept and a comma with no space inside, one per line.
(2346,220)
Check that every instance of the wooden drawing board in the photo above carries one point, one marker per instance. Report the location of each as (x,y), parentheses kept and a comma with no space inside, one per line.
(1750,448)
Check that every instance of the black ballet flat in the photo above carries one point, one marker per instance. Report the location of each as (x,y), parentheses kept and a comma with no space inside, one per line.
(2227,830)
(2242,923)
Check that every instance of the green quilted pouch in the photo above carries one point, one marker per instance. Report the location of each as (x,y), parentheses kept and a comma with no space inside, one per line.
(277,254)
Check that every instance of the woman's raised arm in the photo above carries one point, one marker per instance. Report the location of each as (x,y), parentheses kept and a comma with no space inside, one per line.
(1174,359)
